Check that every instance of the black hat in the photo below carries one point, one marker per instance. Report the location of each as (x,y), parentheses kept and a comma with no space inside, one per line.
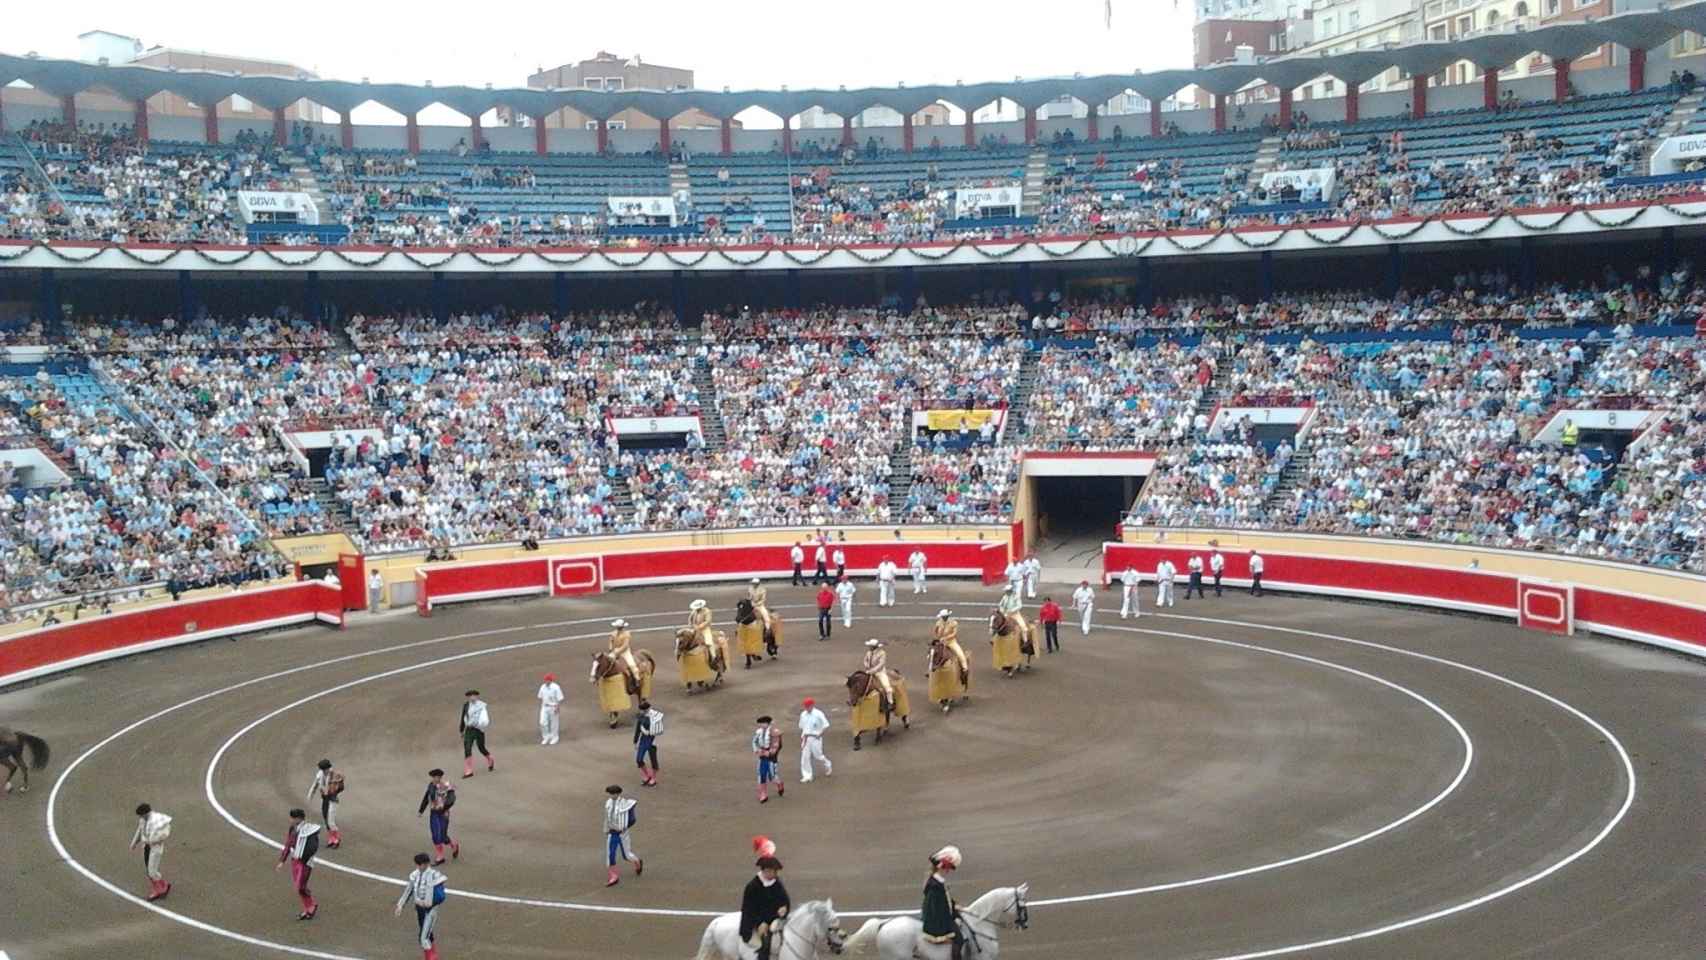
(764,719)
(769,863)
(143,809)
(613,789)
(324,764)
(297,814)
(471,693)
(435,772)
(422,859)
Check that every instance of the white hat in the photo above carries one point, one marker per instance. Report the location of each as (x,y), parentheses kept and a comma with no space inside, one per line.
(619,623)
(947,855)
(873,643)
(755,581)
(1007,589)
(944,613)
(696,605)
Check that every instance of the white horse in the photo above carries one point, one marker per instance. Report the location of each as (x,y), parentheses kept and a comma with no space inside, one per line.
(810,927)
(902,938)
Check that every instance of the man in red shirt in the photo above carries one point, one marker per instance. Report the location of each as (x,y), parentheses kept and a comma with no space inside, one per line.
(825,600)
(1050,617)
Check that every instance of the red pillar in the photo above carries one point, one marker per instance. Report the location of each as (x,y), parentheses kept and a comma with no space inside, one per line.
(847,131)
(906,132)
(539,136)
(663,136)
(346,131)
(603,135)
(1219,112)
(788,136)
(1155,118)
(1490,88)
(413,125)
(1418,96)
(1094,132)
(1353,104)
(728,136)
(139,120)
(476,136)
(971,130)
(68,109)
(1560,79)
(1637,70)
(279,132)
(1030,125)
(210,123)
(1285,109)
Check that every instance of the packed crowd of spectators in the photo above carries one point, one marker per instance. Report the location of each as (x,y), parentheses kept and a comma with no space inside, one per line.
(1115,396)
(974,485)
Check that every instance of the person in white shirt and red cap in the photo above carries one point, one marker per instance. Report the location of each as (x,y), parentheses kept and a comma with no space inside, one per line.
(813,725)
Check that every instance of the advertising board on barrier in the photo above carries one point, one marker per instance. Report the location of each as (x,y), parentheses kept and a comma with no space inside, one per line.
(1304,181)
(988,201)
(277,207)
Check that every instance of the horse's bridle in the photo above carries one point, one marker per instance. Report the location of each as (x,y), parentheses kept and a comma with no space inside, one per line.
(834,936)
(1021,919)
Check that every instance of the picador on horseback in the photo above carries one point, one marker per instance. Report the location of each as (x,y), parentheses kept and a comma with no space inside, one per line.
(875,693)
(1009,635)
(950,669)
(759,630)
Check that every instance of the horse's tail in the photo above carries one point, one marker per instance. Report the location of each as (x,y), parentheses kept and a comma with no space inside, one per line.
(864,939)
(38,750)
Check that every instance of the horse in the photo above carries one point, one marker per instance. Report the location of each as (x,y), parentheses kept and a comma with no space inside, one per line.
(809,928)
(1012,639)
(616,688)
(949,680)
(12,746)
(902,938)
(756,641)
(702,665)
(872,710)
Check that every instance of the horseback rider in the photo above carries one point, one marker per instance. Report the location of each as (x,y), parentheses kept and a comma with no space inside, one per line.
(699,620)
(876,664)
(755,594)
(763,906)
(940,913)
(1010,606)
(621,643)
(946,631)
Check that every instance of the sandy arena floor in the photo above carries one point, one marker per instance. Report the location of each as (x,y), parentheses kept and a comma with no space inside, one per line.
(1243,777)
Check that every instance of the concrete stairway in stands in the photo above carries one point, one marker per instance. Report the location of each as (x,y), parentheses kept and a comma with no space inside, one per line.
(1267,159)
(1016,429)
(900,475)
(710,411)
(1293,473)
(336,512)
(1036,171)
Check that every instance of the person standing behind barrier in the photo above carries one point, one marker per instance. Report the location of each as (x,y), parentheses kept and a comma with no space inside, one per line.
(1049,616)
(1255,574)
(825,618)
(1194,565)
(915,564)
(375,590)
(840,563)
(813,725)
(1084,601)
(425,889)
(821,557)
(1130,603)
(550,710)
(798,557)
(885,583)
(152,829)
(844,592)
(329,784)
(475,719)
(1216,566)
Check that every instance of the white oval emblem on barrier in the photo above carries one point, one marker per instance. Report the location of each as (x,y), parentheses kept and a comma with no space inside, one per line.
(571,575)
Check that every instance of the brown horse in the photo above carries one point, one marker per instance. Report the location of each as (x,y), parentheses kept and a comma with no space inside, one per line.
(13,743)
(862,686)
(1002,626)
(617,688)
(688,643)
(945,663)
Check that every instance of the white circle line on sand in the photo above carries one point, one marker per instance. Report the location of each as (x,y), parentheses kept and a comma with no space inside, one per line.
(1451,787)
(1589,846)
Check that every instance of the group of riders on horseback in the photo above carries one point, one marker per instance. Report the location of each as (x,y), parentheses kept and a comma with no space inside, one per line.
(875,691)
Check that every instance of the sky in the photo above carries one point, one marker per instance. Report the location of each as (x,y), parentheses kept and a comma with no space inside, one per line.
(739,44)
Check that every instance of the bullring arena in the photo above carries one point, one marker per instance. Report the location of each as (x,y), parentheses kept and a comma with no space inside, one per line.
(1234,777)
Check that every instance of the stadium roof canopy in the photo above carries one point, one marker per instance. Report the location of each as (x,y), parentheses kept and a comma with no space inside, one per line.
(1635,30)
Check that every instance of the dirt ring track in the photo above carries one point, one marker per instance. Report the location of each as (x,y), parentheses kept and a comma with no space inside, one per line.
(1250,778)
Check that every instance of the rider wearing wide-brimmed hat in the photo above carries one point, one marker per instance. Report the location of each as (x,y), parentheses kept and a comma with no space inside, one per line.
(757,596)
(699,620)
(621,647)
(876,664)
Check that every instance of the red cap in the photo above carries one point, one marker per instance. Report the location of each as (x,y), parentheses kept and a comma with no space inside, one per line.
(809,702)
(550,678)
